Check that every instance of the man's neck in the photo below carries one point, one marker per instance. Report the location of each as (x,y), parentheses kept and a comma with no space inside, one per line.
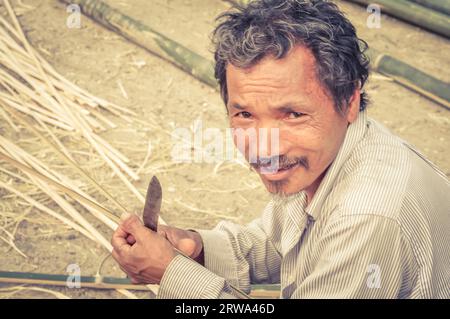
(311,189)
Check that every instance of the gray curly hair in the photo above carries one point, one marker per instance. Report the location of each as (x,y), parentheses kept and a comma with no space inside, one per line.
(246,34)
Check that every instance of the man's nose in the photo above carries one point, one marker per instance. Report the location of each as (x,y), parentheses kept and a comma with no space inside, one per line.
(269,142)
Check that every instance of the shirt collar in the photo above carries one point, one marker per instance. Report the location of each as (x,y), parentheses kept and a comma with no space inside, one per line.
(354,134)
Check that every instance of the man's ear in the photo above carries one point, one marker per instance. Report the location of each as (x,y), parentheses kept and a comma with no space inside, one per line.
(353,106)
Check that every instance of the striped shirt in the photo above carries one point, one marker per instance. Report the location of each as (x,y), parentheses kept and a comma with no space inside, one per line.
(377,227)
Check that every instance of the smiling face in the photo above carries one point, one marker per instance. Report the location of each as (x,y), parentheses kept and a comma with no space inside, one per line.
(285,94)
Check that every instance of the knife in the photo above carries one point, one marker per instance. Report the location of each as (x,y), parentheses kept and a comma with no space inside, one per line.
(152,204)
(151,214)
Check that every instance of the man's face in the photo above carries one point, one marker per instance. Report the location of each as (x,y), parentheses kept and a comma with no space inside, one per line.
(285,94)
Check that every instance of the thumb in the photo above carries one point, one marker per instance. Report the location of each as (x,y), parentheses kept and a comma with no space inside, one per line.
(132,225)
(187,246)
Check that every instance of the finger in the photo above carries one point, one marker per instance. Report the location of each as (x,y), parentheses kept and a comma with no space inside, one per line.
(133,225)
(125,271)
(119,260)
(137,279)
(118,240)
(131,240)
(187,246)
(162,232)
(162,228)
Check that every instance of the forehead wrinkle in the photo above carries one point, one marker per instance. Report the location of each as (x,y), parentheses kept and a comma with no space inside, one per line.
(261,88)
(272,81)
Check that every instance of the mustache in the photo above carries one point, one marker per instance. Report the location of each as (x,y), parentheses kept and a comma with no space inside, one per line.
(280,162)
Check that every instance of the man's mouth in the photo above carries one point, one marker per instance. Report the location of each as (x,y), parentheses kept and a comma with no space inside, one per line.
(274,173)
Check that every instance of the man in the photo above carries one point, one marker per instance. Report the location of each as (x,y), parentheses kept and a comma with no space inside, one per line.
(356,212)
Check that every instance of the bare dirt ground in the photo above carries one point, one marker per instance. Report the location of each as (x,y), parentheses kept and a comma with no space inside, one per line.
(194,196)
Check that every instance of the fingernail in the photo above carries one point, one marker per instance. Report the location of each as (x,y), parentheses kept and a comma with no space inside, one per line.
(125,216)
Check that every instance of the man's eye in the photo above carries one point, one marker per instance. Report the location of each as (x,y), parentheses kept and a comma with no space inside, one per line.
(244,114)
(295,115)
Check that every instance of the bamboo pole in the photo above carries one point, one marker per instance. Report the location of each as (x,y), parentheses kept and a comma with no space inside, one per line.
(442,6)
(410,77)
(238,2)
(413,13)
(149,39)
(61,280)
(138,33)
(100,282)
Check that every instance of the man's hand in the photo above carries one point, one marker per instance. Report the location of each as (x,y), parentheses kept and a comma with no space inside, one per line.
(187,241)
(141,253)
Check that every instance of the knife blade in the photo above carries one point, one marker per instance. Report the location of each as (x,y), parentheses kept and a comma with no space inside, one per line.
(152,204)
(151,214)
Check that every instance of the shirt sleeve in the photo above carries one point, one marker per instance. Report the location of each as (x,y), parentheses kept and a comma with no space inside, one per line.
(243,255)
(363,256)
(234,254)
(186,279)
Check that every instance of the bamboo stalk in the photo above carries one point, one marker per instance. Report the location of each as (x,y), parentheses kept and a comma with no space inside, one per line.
(37,90)
(114,168)
(61,280)
(21,288)
(95,282)
(21,103)
(138,33)
(412,78)
(60,146)
(58,186)
(44,170)
(47,210)
(41,169)
(42,101)
(38,115)
(442,6)
(114,153)
(238,2)
(82,96)
(81,123)
(32,55)
(71,162)
(413,13)
(8,119)
(71,211)
(149,39)
(103,118)
(37,86)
